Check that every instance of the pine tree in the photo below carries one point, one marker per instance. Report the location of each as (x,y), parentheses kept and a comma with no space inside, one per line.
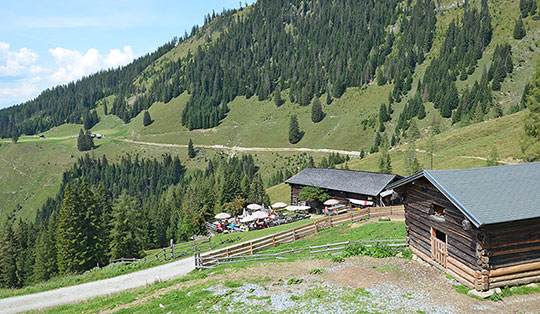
(45,251)
(14,134)
(493,159)
(385,163)
(71,240)
(519,29)
(191,149)
(412,164)
(8,263)
(530,143)
(316,111)
(295,135)
(147,120)
(524,7)
(277,97)
(126,232)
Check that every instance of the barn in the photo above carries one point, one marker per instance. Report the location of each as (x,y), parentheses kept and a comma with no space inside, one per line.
(345,185)
(482,226)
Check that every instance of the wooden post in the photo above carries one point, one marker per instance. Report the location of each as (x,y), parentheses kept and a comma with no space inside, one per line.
(331,222)
(274,240)
(227,251)
(316,228)
(294,234)
(172,249)
(251,247)
(210,242)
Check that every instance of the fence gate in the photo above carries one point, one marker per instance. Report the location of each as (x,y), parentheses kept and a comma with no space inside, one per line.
(438,247)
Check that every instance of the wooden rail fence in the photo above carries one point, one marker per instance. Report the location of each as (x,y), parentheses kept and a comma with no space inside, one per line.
(203,262)
(171,252)
(250,247)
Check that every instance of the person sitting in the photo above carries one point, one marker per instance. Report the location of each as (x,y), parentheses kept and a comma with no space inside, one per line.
(220,227)
(232,226)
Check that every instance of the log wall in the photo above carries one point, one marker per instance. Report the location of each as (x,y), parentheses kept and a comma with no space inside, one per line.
(421,198)
(493,256)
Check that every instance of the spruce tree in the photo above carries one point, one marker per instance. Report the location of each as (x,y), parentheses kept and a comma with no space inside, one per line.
(295,135)
(147,120)
(14,134)
(493,159)
(277,97)
(191,149)
(385,163)
(8,263)
(126,232)
(71,240)
(530,143)
(519,29)
(316,111)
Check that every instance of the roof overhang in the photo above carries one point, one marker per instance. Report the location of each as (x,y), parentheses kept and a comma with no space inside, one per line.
(440,187)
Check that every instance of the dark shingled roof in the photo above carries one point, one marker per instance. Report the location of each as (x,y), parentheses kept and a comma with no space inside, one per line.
(489,195)
(360,182)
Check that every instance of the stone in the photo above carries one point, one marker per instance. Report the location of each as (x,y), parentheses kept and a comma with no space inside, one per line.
(481,294)
(498,290)
(532,285)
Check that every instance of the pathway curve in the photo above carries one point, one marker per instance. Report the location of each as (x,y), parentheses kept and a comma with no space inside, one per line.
(74,294)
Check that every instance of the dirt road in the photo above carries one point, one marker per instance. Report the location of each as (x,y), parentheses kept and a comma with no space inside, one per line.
(89,290)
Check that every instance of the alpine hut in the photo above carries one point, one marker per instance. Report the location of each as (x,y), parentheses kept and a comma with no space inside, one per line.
(345,185)
(482,226)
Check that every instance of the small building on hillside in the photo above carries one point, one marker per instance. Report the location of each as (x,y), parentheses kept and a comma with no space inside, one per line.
(482,226)
(356,187)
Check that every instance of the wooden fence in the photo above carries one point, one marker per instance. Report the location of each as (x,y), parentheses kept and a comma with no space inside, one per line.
(203,262)
(171,252)
(250,247)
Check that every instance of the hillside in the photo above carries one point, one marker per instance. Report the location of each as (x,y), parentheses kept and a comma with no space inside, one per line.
(350,123)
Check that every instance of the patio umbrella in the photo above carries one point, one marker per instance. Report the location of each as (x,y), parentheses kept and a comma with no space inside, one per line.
(247,219)
(279,205)
(254,206)
(292,208)
(331,202)
(360,202)
(305,207)
(223,216)
(259,215)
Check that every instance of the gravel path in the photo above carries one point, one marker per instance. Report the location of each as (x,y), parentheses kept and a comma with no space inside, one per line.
(85,291)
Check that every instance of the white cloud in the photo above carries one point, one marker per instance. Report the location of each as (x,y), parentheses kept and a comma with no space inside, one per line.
(73,65)
(26,90)
(13,63)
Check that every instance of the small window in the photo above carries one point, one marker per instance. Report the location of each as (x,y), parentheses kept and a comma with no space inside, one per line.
(438,234)
(438,210)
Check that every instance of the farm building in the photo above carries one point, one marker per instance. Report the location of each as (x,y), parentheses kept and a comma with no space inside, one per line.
(345,185)
(482,226)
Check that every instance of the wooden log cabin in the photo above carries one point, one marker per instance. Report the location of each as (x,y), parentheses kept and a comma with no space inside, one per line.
(482,226)
(345,185)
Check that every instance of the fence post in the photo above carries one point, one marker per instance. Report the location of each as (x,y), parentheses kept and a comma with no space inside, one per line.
(331,223)
(294,234)
(227,251)
(274,240)
(251,247)
(172,249)
(210,242)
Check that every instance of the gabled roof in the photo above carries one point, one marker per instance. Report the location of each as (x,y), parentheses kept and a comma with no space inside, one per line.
(488,195)
(360,182)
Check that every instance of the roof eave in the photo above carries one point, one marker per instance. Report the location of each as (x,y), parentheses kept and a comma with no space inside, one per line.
(441,188)
(453,200)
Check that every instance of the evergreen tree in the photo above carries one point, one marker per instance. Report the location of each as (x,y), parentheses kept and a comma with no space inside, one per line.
(191,149)
(295,135)
(71,241)
(519,29)
(530,144)
(385,163)
(14,135)
(8,263)
(147,120)
(412,164)
(45,251)
(493,159)
(126,231)
(277,97)
(316,111)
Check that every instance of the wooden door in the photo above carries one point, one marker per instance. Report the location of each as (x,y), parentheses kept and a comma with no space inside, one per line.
(438,247)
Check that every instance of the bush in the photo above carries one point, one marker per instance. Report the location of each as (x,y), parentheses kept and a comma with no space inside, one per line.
(316,271)
(295,281)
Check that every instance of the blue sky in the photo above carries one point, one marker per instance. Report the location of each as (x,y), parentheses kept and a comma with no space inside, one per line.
(46,43)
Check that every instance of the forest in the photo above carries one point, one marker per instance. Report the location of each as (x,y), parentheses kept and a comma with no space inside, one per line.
(110,210)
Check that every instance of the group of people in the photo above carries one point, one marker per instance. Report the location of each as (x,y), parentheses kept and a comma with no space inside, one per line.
(235,225)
